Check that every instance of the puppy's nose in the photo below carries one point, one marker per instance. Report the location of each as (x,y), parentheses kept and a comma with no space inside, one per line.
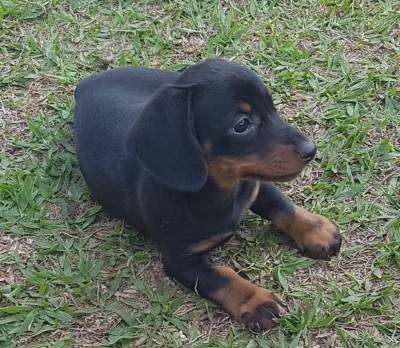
(307,150)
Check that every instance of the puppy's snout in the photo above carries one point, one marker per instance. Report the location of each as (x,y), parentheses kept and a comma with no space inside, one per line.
(304,147)
(306,150)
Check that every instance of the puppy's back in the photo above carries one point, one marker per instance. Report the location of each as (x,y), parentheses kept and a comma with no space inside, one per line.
(106,106)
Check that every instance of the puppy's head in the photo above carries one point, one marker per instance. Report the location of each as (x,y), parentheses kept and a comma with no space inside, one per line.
(217,120)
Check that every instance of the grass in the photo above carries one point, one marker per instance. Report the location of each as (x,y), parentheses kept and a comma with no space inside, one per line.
(70,276)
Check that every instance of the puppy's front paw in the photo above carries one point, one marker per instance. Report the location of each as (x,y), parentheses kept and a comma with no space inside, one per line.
(257,313)
(315,235)
(253,306)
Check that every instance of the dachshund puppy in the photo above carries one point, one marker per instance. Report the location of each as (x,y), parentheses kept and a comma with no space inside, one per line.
(181,156)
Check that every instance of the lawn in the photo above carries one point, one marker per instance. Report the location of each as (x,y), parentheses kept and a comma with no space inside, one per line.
(71,276)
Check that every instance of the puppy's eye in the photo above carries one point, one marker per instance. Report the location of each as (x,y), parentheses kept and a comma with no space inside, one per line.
(242,126)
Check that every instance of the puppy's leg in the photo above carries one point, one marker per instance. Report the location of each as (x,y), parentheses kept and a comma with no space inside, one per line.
(313,234)
(251,305)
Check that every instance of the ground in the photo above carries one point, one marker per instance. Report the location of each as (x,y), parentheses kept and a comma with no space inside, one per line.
(71,276)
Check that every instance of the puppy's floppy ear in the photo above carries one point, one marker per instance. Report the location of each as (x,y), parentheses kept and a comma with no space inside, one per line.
(163,138)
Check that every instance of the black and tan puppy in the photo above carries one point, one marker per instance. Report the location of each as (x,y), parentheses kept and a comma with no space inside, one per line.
(182,156)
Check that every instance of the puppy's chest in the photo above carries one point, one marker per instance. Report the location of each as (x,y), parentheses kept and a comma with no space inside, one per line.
(221,224)
(225,211)
(247,198)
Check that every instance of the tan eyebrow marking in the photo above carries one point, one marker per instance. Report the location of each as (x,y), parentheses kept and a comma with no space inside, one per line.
(246,107)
